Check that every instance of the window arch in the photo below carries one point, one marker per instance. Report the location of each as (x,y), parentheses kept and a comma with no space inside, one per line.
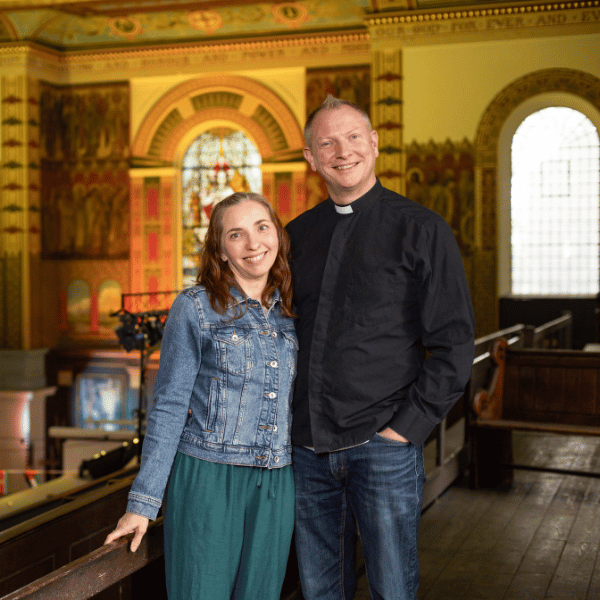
(163,137)
(507,216)
(555,157)
(78,306)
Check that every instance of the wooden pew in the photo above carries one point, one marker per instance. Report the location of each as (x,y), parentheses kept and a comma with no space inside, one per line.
(554,334)
(554,391)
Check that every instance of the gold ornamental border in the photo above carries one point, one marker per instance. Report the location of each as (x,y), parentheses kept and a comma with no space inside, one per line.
(470,13)
(73,56)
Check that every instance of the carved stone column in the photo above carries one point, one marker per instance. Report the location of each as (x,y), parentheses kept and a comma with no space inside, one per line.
(20,225)
(387,116)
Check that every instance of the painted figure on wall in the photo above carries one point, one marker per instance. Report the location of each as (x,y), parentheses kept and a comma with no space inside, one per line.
(84,134)
(85,122)
(81,219)
(442,179)
(109,302)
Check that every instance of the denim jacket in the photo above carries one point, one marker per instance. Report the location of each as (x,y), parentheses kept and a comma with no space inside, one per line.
(223,392)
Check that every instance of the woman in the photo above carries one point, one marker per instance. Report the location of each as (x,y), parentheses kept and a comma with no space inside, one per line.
(219,430)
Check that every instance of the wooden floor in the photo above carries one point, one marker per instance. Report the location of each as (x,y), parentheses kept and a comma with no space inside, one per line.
(538,540)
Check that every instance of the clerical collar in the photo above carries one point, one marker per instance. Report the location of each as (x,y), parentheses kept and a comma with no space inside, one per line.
(343,209)
(361,203)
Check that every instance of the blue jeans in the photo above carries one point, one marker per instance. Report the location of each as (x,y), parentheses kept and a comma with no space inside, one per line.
(376,487)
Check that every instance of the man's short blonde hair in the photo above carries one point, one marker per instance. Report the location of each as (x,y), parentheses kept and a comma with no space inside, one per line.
(331,103)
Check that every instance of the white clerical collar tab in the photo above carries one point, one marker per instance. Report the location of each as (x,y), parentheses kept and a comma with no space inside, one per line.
(343,210)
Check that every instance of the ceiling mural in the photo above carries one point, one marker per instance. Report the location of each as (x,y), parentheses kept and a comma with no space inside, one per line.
(61,29)
(73,25)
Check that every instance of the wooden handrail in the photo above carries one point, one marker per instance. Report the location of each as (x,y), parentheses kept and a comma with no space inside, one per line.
(110,563)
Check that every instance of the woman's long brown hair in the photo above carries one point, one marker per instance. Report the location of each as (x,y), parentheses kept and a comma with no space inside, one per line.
(215,274)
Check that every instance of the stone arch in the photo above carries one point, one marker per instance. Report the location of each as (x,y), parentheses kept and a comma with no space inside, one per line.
(488,151)
(487,138)
(242,101)
(169,127)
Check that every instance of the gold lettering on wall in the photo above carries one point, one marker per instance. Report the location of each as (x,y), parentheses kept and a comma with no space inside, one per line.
(408,29)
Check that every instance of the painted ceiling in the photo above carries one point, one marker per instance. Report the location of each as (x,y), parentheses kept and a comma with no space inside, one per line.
(81,24)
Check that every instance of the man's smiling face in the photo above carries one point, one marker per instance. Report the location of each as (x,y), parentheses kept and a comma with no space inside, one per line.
(343,151)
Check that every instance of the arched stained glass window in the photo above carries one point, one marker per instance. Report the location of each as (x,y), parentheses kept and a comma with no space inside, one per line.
(555,205)
(218,162)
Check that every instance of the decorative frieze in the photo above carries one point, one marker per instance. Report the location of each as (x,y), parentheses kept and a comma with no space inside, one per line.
(349,48)
(451,26)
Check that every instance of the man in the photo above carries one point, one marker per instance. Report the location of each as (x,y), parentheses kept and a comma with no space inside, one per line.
(378,280)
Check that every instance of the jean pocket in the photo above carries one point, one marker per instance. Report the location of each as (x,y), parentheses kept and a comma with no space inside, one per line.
(388,440)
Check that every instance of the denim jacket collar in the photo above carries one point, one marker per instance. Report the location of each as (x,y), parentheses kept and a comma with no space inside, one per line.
(240,298)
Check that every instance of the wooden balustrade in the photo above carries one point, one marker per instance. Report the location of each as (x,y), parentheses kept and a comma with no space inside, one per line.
(99,570)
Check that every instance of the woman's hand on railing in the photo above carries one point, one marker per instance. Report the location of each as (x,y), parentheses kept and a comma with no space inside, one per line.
(129,523)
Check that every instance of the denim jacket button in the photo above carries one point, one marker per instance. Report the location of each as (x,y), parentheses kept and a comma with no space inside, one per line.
(276,459)
(274,427)
(273,363)
(272,395)
(274,334)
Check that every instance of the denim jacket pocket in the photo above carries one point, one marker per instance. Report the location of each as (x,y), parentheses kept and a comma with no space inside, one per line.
(234,348)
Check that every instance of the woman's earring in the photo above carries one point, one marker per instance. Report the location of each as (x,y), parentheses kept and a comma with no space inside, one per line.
(223,258)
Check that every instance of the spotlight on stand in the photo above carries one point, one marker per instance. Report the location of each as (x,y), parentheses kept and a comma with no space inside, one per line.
(141,331)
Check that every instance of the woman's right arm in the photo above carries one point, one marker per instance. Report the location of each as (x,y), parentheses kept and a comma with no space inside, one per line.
(180,357)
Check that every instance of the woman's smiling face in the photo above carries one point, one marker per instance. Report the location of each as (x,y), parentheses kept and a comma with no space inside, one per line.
(249,242)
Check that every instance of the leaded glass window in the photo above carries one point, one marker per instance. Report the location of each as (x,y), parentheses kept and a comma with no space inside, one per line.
(555,206)
(218,162)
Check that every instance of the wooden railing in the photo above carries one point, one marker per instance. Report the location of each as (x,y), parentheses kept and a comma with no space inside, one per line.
(64,533)
(98,570)
(113,572)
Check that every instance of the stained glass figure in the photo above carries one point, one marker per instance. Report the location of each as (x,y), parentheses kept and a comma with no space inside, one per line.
(218,162)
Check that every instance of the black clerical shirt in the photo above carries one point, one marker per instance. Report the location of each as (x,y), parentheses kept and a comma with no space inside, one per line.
(374,289)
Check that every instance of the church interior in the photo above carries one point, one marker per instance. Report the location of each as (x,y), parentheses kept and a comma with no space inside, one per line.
(123,123)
